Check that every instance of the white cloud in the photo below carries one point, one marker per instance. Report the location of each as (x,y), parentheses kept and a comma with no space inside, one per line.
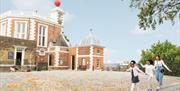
(138,31)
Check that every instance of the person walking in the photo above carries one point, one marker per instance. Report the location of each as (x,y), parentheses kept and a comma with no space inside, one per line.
(134,75)
(149,71)
(159,70)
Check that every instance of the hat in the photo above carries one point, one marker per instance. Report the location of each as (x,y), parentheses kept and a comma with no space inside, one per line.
(133,62)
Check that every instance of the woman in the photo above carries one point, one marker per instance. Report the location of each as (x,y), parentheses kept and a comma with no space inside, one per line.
(134,75)
(149,70)
(159,70)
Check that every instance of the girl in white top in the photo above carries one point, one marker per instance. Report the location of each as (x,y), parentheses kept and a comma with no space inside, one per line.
(149,70)
(135,75)
(159,70)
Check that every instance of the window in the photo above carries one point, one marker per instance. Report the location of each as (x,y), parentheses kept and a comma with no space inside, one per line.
(42,36)
(3,29)
(98,63)
(21,30)
(98,51)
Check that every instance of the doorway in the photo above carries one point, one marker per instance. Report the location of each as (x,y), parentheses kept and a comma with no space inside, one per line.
(72,62)
(18,58)
(50,60)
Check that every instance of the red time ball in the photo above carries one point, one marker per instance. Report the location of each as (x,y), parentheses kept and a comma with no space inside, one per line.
(57,3)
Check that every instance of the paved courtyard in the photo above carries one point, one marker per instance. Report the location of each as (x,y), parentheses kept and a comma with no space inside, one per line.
(75,81)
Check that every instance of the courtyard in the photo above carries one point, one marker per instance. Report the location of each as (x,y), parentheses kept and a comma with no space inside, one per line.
(74,81)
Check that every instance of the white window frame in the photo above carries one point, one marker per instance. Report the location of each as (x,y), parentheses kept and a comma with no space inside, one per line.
(5,29)
(46,35)
(16,30)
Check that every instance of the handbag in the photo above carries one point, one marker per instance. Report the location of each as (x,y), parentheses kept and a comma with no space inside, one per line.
(135,79)
(162,70)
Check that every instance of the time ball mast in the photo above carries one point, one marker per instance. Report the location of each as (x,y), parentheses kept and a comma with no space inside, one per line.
(57,3)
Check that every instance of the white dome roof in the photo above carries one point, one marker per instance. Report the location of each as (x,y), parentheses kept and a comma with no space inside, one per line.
(90,40)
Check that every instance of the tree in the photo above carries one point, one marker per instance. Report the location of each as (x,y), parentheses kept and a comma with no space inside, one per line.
(153,12)
(169,52)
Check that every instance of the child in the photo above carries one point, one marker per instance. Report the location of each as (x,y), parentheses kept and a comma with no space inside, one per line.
(149,70)
(135,75)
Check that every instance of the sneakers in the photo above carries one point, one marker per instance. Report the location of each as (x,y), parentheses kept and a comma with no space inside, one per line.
(158,87)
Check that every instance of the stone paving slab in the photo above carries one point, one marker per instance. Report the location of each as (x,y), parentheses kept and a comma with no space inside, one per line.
(73,81)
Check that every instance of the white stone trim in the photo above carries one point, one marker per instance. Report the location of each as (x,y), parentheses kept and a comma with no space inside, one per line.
(32,29)
(23,54)
(60,51)
(90,55)
(77,56)
(26,25)
(46,35)
(91,58)
(30,15)
(5,65)
(64,52)
(9,27)
(29,65)
(59,66)
(57,56)
(15,55)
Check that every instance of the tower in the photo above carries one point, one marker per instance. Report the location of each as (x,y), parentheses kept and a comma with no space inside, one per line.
(57,13)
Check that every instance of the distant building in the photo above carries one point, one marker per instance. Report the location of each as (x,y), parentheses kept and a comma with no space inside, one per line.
(116,67)
(90,54)
(27,39)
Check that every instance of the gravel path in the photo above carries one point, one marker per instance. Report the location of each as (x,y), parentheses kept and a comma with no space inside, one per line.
(72,81)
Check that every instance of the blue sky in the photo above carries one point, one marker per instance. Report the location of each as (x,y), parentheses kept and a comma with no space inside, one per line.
(112,21)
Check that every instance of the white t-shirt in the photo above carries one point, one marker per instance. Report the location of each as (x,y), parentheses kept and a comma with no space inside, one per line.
(149,69)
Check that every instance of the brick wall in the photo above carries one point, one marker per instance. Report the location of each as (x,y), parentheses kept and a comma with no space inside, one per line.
(84,50)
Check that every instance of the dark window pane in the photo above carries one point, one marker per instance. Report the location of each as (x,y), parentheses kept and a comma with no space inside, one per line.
(43,41)
(39,40)
(44,30)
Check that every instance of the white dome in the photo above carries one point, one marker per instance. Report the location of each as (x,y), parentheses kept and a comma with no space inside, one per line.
(90,40)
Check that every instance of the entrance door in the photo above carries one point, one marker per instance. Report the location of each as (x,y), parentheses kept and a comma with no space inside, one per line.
(18,58)
(72,61)
(50,60)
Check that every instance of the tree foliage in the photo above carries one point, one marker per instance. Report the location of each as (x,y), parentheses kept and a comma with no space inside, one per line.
(153,12)
(169,52)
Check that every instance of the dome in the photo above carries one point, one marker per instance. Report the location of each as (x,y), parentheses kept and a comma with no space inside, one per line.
(90,40)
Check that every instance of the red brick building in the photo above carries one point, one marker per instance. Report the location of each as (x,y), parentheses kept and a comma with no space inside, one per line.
(88,55)
(26,39)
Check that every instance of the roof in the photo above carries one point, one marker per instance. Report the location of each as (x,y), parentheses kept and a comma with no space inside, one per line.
(27,14)
(91,39)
